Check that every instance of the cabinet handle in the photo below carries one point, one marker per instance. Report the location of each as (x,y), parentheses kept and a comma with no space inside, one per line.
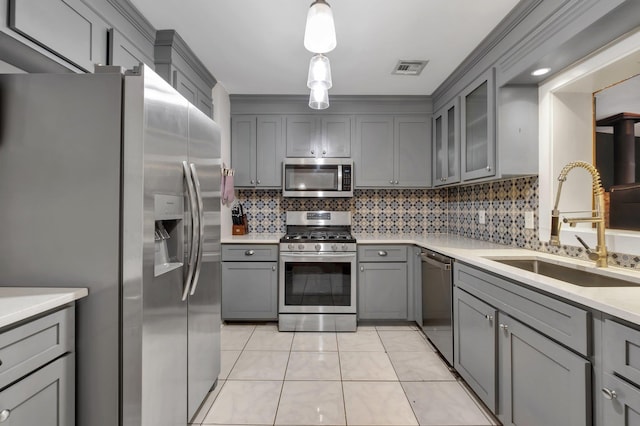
(249,252)
(489,317)
(391,182)
(609,394)
(488,168)
(252,181)
(444,179)
(313,152)
(273,268)
(382,253)
(4,415)
(505,327)
(396,182)
(362,269)
(258,181)
(324,152)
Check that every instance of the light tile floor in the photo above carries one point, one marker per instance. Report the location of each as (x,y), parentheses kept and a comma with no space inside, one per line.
(380,375)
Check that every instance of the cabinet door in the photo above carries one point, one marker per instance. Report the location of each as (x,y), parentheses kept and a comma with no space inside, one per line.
(382,291)
(446,145)
(336,136)
(68,28)
(249,291)
(44,398)
(302,136)
(185,87)
(269,151)
(475,347)
(621,405)
(412,152)
(541,382)
(243,149)
(124,53)
(374,151)
(477,119)
(204,103)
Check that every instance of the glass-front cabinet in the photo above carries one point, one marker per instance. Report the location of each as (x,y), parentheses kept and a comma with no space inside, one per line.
(477,117)
(446,144)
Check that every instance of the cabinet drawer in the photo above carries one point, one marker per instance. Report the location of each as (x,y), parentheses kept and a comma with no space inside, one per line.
(45,397)
(31,345)
(622,351)
(382,253)
(562,322)
(250,252)
(624,408)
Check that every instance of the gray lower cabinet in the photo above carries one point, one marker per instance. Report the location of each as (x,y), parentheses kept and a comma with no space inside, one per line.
(44,398)
(475,345)
(383,283)
(37,371)
(621,375)
(541,382)
(250,282)
(257,150)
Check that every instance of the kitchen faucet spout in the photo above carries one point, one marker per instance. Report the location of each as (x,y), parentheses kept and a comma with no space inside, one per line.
(600,252)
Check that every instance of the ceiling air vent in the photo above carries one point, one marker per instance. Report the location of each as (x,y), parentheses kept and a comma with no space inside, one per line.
(409,67)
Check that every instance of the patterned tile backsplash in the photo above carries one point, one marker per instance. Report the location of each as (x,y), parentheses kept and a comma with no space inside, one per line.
(448,210)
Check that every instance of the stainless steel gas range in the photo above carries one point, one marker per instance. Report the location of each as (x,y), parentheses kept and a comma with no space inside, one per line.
(317,282)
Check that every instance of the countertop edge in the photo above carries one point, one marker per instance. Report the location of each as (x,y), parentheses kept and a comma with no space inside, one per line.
(20,303)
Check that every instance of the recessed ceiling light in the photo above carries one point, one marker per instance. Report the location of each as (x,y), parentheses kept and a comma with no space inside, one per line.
(540,71)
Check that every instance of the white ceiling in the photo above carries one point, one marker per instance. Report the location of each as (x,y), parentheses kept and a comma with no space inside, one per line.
(255,46)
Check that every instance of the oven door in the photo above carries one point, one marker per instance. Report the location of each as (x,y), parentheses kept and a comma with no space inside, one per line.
(317,283)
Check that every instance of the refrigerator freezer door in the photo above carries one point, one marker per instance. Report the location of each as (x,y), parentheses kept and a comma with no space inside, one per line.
(154,320)
(204,303)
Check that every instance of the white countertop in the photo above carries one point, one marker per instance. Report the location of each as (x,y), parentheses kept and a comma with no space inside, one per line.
(252,239)
(622,302)
(19,303)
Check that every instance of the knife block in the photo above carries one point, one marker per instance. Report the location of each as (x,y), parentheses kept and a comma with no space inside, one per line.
(241,229)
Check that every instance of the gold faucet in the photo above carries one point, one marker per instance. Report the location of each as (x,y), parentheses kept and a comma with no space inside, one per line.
(599,255)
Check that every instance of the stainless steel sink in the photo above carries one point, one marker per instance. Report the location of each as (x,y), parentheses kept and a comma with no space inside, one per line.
(566,273)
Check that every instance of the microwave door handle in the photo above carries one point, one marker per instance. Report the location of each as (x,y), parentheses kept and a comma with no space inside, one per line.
(194,229)
(200,240)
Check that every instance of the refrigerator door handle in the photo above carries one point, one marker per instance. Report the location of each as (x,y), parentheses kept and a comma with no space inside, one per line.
(196,184)
(195,226)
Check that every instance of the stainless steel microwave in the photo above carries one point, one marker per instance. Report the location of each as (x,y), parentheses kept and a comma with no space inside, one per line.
(317,177)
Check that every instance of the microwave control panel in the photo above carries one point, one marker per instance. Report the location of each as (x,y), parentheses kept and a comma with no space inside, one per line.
(346,178)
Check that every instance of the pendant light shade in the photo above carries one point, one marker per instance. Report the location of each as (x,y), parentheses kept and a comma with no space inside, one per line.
(319,72)
(320,32)
(319,98)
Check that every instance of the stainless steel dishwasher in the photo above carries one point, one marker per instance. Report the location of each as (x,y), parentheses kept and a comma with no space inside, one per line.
(437,307)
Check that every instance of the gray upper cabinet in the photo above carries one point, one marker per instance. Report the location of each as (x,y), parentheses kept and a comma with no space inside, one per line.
(69,29)
(179,66)
(309,136)
(477,120)
(257,150)
(542,383)
(124,53)
(392,151)
(446,144)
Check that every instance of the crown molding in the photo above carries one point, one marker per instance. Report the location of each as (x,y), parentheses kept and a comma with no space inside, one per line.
(170,38)
(135,18)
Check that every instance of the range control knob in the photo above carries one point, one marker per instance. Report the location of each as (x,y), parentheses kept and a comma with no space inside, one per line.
(345,247)
(334,247)
(301,246)
(291,246)
(317,247)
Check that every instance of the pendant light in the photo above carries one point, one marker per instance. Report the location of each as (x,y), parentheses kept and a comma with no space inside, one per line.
(319,98)
(320,32)
(319,72)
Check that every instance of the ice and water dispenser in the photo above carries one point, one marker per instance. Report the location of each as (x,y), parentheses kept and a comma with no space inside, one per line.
(169,231)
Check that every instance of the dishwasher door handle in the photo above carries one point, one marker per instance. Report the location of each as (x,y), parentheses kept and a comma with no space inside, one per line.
(441,265)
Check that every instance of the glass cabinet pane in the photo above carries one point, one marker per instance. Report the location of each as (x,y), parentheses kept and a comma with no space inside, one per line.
(452,154)
(476,125)
(440,149)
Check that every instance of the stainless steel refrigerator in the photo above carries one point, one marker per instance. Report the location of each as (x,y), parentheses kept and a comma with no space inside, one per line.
(112,182)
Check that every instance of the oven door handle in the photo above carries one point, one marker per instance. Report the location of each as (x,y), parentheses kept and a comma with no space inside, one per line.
(316,255)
